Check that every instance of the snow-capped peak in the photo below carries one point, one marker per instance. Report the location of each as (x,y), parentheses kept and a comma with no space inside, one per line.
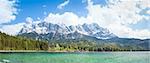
(93,29)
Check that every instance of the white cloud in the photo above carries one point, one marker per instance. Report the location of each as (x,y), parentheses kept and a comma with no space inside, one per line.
(67,18)
(117,15)
(125,12)
(124,31)
(63,4)
(7,11)
(29,20)
(12,29)
(148,12)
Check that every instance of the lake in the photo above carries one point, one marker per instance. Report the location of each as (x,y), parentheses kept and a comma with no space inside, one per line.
(82,57)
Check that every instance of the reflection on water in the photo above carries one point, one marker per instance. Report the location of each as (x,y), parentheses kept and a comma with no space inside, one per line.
(5,61)
(90,57)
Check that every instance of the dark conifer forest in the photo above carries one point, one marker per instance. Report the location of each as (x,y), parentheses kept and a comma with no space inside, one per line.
(8,42)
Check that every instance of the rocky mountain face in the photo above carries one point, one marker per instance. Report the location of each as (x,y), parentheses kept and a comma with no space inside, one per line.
(43,30)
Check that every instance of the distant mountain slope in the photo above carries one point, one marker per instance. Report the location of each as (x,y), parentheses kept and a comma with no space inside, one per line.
(55,31)
(90,32)
(145,43)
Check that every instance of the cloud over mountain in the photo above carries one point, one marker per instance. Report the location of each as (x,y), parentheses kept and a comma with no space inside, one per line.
(117,15)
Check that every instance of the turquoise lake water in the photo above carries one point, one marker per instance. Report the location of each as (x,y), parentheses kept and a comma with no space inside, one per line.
(87,57)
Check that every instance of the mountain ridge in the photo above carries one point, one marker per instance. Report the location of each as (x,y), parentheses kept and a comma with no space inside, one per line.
(87,32)
(93,30)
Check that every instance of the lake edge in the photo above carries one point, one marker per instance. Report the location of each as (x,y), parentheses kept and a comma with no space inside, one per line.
(5,51)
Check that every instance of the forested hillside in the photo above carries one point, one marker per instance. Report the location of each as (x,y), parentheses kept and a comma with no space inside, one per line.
(8,42)
(17,43)
(86,45)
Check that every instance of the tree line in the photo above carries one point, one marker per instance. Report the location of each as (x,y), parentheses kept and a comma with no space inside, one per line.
(8,42)
(84,45)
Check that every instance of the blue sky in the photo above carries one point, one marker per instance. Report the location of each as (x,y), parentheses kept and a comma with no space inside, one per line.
(38,8)
(124,18)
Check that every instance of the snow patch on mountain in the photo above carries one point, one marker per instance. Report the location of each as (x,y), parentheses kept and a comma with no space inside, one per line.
(93,30)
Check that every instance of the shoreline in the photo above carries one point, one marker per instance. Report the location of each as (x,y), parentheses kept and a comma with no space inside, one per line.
(21,51)
(5,51)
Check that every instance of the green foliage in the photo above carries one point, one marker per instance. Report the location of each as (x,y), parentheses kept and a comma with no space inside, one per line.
(89,46)
(17,43)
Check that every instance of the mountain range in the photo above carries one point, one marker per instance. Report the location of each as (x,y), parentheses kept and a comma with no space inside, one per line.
(67,32)
(92,32)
